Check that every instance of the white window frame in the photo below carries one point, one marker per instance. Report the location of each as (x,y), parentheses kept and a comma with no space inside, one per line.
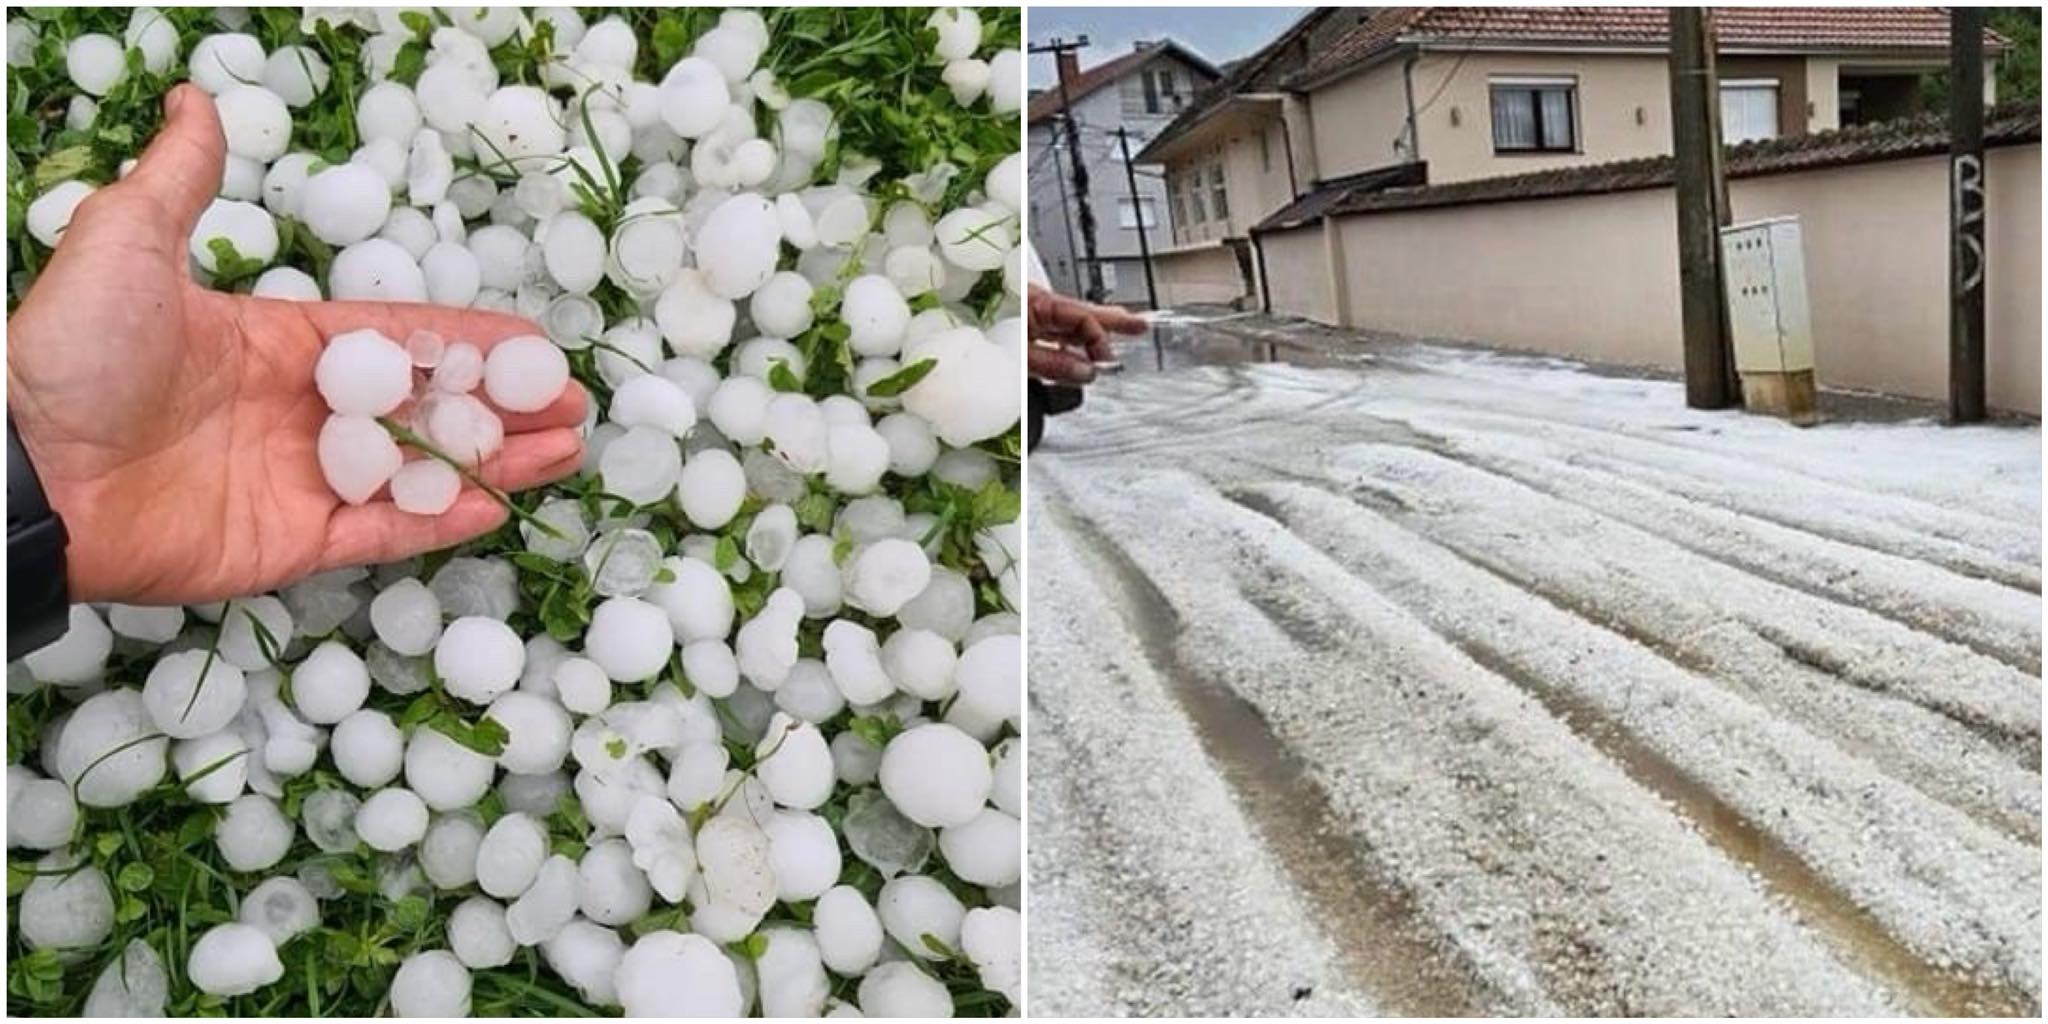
(1127,213)
(1751,85)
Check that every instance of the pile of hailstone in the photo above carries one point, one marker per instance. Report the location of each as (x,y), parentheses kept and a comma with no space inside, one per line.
(725,724)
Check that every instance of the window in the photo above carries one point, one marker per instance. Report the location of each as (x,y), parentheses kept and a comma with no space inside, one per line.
(1127,215)
(1162,91)
(1197,206)
(1218,201)
(1749,109)
(1108,274)
(1535,115)
(1177,202)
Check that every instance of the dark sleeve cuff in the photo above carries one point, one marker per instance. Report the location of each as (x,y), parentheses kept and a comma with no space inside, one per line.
(38,597)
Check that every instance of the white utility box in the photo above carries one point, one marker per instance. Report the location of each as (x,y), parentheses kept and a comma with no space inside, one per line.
(1764,269)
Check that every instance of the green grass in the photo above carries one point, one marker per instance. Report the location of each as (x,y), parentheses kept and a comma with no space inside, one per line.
(873,66)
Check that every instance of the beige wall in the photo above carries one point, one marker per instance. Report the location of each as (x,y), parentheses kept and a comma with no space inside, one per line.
(1356,120)
(1255,180)
(1597,276)
(1207,274)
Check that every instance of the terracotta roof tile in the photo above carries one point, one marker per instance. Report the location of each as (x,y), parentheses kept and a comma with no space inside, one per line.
(1767,28)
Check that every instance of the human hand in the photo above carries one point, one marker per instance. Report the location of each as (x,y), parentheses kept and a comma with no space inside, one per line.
(1078,333)
(174,427)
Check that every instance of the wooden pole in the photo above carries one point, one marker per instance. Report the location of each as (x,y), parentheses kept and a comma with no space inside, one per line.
(1709,370)
(1966,262)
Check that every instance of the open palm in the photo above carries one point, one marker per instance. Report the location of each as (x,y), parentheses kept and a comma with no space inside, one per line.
(174,427)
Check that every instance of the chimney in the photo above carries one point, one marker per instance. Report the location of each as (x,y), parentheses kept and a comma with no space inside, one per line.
(1070,66)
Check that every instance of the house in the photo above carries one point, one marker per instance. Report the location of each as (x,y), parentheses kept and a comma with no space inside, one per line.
(1140,92)
(1461,93)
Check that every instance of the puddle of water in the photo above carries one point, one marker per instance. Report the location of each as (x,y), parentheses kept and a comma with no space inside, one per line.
(1376,928)
(1860,939)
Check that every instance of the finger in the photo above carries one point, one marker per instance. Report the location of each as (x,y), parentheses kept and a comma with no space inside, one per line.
(379,532)
(567,411)
(397,321)
(530,460)
(1059,366)
(183,166)
(1119,320)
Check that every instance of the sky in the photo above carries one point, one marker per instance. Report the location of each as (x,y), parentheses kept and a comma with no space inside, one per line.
(1217,33)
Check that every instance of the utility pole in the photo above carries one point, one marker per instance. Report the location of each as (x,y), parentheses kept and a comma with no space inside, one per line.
(1709,367)
(1059,48)
(1966,214)
(1067,216)
(1123,141)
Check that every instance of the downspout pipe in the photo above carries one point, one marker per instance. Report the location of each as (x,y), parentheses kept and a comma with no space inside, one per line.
(1408,88)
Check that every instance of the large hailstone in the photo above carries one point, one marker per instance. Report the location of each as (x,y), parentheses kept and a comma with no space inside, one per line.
(256,121)
(795,763)
(232,960)
(65,909)
(936,775)
(520,124)
(479,658)
(667,974)
(746,237)
(431,984)
(104,752)
(344,204)
(246,227)
(50,213)
(193,693)
(970,394)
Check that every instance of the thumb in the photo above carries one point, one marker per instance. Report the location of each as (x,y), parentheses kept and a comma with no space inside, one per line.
(183,165)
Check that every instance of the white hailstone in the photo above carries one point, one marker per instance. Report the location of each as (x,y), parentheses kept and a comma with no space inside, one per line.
(193,693)
(388,157)
(574,249)
(711,667)
(447,853)
(152,33)
(286,283)
(698,601)
(711,488)
(582,686)
(959,30)
(501,254)
(104,752)
(766,645)
(66,905)
(461,369)
(330,684)
(936,775)
(694,97)
(771,536)
(77,657)
(413,232)
(991,937)
(96,63)
(781,307)
(610,888)
(990,680)
(50,213)
(1005,181)
(914,906)
(520,124)
(407,617)
(586,956)
(631,348)
(280,908)
(233,960)
(946,606)
(739,409)
(1005,81)
(920,662)
(525,374)
(1007,791)
(641,465)
(807,693)
(854,759)
(344,203)
(670,974)
(387,110)
(854,658)
(857,457)
(629,638)
(297,74)
(695,320)
(429,172)
(245,227)
(478,658)
(368,748)
(432,983)
(537,732)
(133,985)
(804,852)
(797,428)
(241,177)
(697,774)
(849,934)
(661,846)
(377,270)
(391,819)
(214,767)
(914,270)
(987,850)
(546,906)
(445,774)
(881,577)
(477,934)
(733,854)
(974,239)
(463,427)
(254,834)
(876,314)
(792,974)
(899,989)
(652,400)
(966,79)
(746,236)
(284,183)
(257,123)
(222,61)
(41,814)
(969,394)
(812,571)
(451,274)
(794,763)
(511,855)
(425,487)
(357,456)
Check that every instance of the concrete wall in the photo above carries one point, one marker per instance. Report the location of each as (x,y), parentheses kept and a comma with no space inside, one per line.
(1205,274)
(1358,119)
(1597,276)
